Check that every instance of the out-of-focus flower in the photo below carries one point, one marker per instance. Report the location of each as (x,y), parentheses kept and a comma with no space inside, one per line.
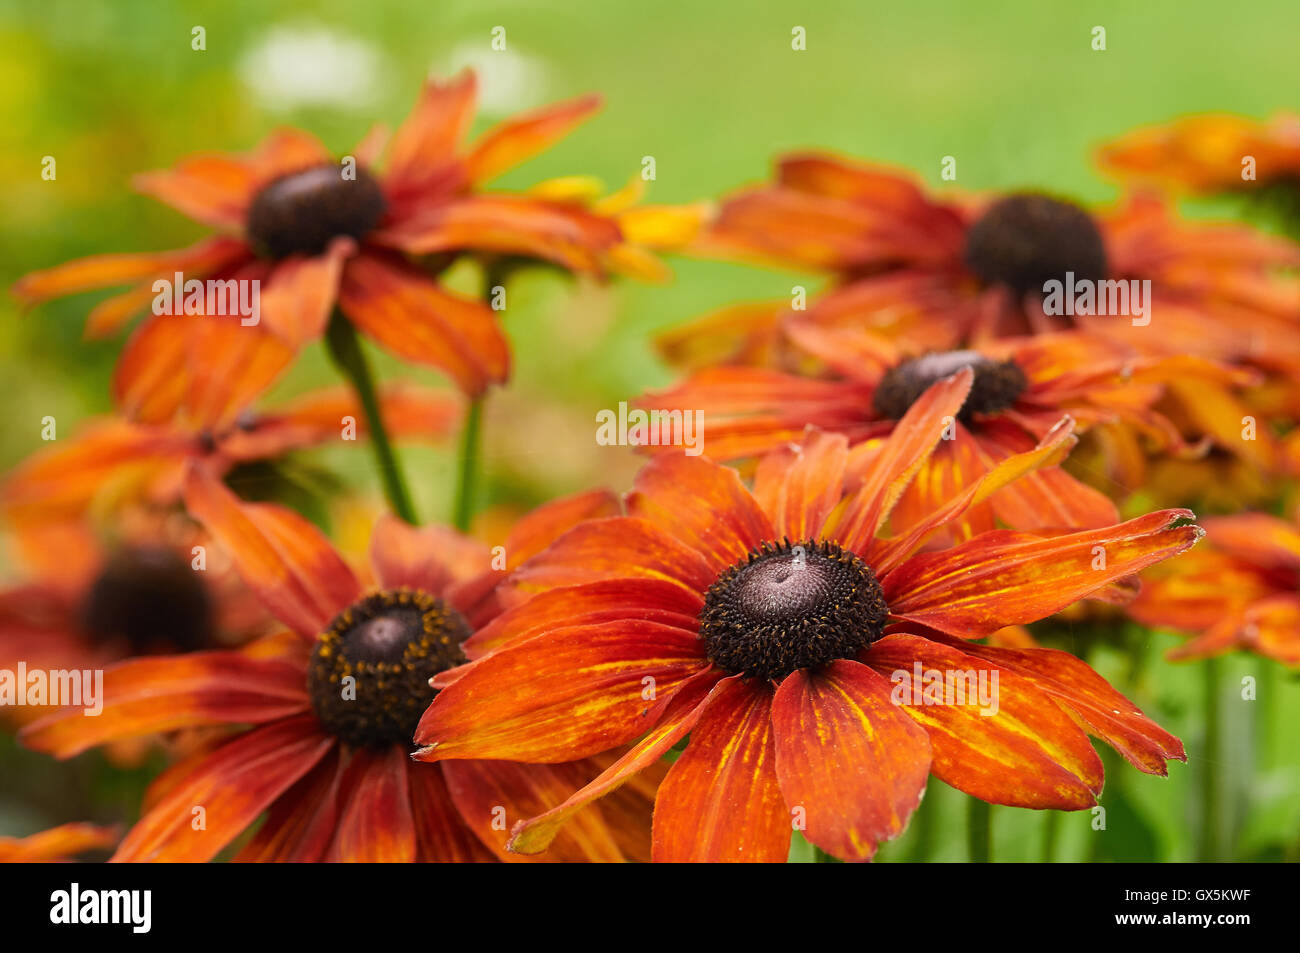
(316,232)
(60,843)
(934,274)
(1240,591)
(333,703)
(1218,152)
(770,626)
(114,460)
(1022,388)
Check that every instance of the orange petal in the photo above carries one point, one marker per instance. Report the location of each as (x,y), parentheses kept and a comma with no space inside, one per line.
(284,559)
(847,756)
(676,715)
(300,825)
(799,485)
(300,293)
(58,843)
(1003,578)
(702,504)
(426,558)
(408,313)
(442,836)
(146,696)
(568,694)
(1014,747)
(426,143)
(721,801)
(237,783)
(376,825)
(520,138)
(212,189)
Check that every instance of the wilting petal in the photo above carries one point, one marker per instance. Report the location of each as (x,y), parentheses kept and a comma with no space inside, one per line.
(1014,746)
(847,756)
(1004,578)
(1107,714)
(376,825)
(651,600)
(571,693)
(300,294)
(799,485)
(673,717)
(524,136)
(903,453)
(283,558)
(146,696)
(237,783)
(721,800)
(426,558)
(702,504)
(617,548)
(407,312)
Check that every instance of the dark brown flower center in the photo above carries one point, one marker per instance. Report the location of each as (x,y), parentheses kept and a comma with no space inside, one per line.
(304,211)
(369,676)
(997,385)
(790,606)
(1025,240)
(147,599)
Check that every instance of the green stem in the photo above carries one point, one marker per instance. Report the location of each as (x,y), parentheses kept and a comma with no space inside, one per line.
(979,831)
(1210,762)
(345,351)
(1051,834)
(471,442)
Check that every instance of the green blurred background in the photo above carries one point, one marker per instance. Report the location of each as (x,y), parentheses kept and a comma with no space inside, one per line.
(713,91)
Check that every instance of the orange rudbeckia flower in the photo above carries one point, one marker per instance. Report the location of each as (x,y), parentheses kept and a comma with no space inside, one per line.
(1217,152)
(317,232)
(1022,388)
(57,844)
(113,460)
(936,274)
(775,628)
(332,704)
(1241,591)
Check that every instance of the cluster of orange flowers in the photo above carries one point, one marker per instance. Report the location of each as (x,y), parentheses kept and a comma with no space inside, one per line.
(697,668)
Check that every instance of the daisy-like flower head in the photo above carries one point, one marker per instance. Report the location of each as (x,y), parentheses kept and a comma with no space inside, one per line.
(57,844)
(1240,591)
(772,625)
(332,704)
(1217,152)
(935,274)
(319,231)
(114,461)
(1020,389)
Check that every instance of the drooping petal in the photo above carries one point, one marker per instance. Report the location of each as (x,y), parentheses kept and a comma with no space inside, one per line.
(1012,745)
(284,559)
(848,757)
(702,504)
(442,836)
(237,783)
(376,825)
(568,694)
(301,291)
(1004,578)
(721,801)
(408,313)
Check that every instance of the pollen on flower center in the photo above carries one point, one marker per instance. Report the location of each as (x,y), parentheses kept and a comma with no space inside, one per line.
(304,211)
(790,606)
(389,645)
(146,599)
(997,384)
(1025,240)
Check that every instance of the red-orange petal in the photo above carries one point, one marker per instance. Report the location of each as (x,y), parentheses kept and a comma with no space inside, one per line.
(376,824)
(427,558)
(799,485)
(301,291)
(523,136)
